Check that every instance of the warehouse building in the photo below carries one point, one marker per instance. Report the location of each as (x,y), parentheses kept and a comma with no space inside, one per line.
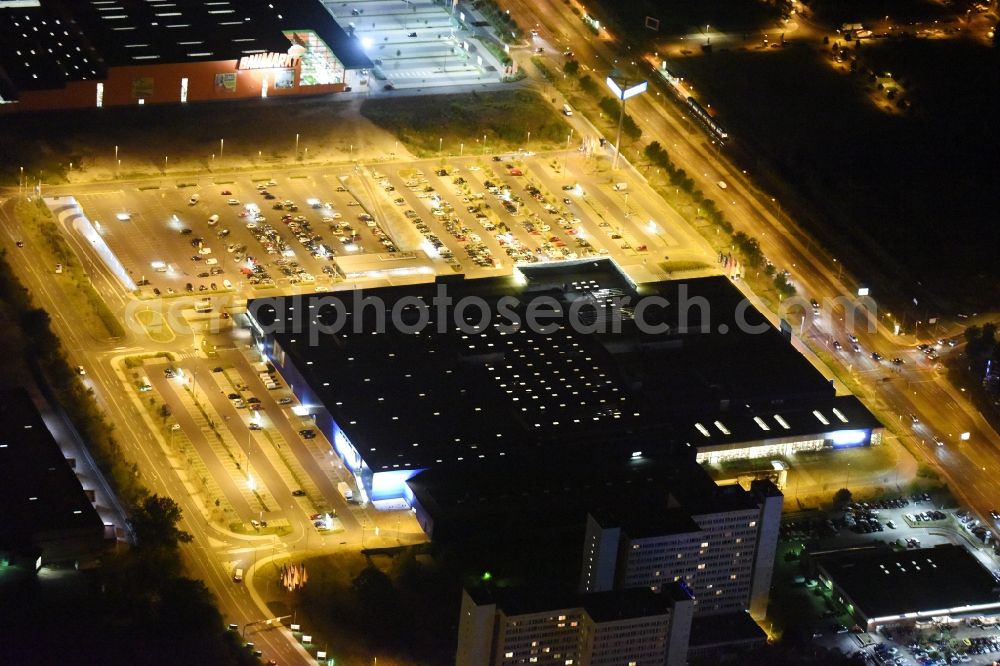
(881,586)
(45,515)
(71,54)
(435,388)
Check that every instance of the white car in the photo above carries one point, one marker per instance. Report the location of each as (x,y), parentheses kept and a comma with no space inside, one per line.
(195,198)
(233,202)
(232,248)
(211,261)
(205,250)
(227,284)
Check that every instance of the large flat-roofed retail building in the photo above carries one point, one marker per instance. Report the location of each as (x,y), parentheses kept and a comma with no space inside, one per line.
(473,382)
(881,586)
(64,54)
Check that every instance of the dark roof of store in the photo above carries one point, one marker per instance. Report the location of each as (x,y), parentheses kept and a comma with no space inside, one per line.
(410,400)
(39,492)
(532,492)
(72,40)
(884,582)
(838,413)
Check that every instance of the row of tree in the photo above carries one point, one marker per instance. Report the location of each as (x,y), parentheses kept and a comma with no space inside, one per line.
(746,246)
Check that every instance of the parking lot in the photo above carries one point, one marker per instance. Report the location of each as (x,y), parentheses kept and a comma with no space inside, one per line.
(479,215)
(414,44)
(249,231)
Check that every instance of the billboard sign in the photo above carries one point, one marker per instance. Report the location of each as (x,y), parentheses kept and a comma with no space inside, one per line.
(268,61)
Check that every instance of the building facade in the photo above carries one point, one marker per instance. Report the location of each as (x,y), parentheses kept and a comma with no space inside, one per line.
(725,556)
(511,627)
(56,54)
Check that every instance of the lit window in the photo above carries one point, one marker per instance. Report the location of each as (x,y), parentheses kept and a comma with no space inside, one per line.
(100,95)
(184,90)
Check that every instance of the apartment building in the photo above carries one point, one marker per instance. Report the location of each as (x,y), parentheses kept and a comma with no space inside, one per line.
(720,543)
(512,626)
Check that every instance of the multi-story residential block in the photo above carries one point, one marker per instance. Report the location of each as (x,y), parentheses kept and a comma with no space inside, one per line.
(720,543)
(638,627)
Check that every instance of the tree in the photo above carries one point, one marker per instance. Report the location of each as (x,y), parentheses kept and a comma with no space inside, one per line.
(373,587)
(842,497)
(784,287)
(631,128)
(155,524)
(36,326)
(655,153)
(571,68)
(588,84)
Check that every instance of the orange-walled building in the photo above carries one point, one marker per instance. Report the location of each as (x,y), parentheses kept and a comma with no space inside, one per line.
(173,82)
(62,54)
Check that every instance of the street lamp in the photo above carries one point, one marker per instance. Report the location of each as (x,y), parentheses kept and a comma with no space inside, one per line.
(623,94)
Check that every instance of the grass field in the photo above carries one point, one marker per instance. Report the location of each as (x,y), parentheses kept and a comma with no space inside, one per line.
(255,134)
(907,196)
(39,228)
(192,139)
(504,118)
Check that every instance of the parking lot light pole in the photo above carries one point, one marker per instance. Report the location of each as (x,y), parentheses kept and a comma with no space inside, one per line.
(623,93)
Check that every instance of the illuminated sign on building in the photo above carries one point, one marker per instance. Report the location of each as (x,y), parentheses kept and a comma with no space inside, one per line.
(268,61)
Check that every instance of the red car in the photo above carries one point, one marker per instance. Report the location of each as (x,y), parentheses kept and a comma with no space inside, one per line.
(226,193)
